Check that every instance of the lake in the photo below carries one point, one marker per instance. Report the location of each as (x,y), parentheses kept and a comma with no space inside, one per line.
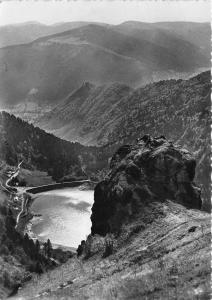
(65,216)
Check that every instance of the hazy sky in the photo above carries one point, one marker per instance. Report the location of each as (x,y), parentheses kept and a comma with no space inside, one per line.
(113,12)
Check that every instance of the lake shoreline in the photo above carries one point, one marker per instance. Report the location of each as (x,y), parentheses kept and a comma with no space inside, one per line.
(31,191)
(78,187)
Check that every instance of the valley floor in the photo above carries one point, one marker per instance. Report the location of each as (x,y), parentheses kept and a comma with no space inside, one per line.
(164,253)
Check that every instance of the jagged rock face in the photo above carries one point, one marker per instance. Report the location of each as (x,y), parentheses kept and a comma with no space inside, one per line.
(153,169)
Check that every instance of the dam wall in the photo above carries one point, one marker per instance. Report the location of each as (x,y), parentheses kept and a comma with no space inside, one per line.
(54,186)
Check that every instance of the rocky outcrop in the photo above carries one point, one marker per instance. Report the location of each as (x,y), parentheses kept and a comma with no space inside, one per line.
(151,170)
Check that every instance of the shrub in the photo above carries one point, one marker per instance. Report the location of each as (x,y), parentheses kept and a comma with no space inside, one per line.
(3,210)
(108,248)
(133,171)
(137,228)
(4,250)
(38,268)
(10,247)
(8,259)
(7,280)
(21,256)
(80,248)
(22,182)
(88,245)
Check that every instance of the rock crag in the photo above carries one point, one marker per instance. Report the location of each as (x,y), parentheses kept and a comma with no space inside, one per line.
(151,170)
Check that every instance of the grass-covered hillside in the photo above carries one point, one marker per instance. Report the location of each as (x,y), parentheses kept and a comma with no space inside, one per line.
(165,257)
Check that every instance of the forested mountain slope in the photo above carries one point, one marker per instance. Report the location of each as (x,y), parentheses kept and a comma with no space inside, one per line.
(43,151)
(117,114)
(88,114)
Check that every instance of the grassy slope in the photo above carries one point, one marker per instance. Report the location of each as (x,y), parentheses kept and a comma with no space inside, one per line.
(164,256)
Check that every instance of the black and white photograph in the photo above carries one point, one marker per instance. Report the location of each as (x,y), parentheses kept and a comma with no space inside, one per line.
(105,140)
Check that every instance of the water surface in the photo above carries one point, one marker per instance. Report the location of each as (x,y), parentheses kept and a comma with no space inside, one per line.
(65,216)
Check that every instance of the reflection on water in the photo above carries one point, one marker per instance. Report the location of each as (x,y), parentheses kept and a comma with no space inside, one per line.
(65,216)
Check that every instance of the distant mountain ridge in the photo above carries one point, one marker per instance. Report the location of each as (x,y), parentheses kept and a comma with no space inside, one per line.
(54,65)
(23,33)
(149,52)
(14,34)
(194,33)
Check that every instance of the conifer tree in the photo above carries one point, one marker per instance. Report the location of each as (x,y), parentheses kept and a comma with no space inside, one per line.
(49,248)
(37,249)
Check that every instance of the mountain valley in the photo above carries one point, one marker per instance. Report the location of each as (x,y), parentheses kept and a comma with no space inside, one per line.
(105,161)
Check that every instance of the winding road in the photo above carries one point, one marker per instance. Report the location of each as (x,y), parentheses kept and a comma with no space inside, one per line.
(13,175)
